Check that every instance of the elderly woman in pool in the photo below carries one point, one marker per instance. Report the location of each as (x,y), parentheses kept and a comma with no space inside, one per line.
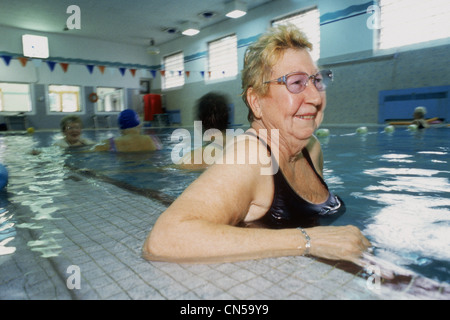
(71,127)
(207,222)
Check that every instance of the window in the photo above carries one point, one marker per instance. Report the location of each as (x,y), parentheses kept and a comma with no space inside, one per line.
(223,61)
(405,22)
(15,97)
(64,98)
(110,99)
(174,71)
(309,22)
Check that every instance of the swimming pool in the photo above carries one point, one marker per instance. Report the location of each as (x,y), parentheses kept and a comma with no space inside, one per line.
(396,188)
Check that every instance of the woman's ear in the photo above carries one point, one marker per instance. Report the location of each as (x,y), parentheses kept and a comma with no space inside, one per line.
(253,101)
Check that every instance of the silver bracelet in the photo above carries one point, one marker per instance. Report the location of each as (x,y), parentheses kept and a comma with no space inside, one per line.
(308,241)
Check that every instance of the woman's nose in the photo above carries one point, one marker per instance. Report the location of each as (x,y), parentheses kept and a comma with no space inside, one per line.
(313,96)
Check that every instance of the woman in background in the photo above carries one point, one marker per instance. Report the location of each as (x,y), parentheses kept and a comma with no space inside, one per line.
(71,127)
(131,139)
(212,111)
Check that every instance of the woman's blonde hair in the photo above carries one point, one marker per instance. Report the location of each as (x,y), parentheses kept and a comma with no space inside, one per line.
(262,55)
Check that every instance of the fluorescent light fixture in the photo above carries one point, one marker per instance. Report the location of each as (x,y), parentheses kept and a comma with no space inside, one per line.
(236,9)
(190,29)
(35,46)
(152,49)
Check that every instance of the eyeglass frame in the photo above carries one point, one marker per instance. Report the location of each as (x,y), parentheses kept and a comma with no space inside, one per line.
(283,79)
(73,128)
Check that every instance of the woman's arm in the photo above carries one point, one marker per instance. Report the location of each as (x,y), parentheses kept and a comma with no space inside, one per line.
(200,226)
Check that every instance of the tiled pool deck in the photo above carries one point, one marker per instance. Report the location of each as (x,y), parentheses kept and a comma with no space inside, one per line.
(101,230)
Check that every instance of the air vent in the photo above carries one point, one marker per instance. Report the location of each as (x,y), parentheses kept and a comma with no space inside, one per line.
(207,14)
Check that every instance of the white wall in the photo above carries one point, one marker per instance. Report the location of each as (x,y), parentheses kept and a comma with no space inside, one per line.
(337,38)
(345,37)
(77,52)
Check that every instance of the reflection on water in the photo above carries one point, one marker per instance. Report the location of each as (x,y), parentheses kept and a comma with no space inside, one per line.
(7,231)
(397,191)
(34,181)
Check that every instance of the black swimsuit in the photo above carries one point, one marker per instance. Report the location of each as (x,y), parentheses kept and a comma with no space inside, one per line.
(289,210)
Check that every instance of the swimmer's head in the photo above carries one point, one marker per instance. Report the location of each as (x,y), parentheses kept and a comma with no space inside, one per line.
(128,118)
(420,112)
(70,119)
(212,110)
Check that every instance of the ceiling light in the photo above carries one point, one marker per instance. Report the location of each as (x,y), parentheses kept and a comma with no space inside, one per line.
(236,9)
(35,46)
(190,29)
(152,49)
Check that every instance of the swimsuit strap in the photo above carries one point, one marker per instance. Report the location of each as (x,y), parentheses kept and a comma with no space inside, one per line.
(305,153)
(112,145)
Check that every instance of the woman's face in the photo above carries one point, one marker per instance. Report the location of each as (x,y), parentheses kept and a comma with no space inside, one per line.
(297,116)
(72,132)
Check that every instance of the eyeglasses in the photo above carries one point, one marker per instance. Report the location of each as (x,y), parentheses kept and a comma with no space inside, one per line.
(296,82)
(73,128)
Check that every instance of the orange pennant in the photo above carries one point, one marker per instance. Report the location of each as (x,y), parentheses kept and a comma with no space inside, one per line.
(64,66)
(187,73)
(101,68)
(23,61)
(163,72)
(133,71)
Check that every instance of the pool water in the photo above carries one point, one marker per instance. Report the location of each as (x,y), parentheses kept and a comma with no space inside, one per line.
(396,186)
(397,191)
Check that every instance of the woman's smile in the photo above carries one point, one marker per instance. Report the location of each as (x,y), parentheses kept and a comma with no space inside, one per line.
(308,116)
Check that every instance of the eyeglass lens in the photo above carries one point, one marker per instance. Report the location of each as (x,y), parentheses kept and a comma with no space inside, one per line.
(296,83)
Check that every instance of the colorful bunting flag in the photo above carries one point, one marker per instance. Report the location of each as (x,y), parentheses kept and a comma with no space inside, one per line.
(7,59)
(90,68)
(51,65)
(64,66)
(23,61)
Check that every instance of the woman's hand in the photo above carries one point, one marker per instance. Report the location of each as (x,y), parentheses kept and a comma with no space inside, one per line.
(338,243)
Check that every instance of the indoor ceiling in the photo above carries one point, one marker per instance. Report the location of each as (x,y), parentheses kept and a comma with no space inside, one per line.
(133,22)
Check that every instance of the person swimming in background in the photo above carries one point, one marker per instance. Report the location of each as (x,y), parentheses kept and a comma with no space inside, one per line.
(71,127)
(419,118)
(131,139)
(213,112)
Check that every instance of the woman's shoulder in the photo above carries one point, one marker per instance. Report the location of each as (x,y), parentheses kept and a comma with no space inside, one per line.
(315,152)
(87,141)
(243,147)
(61,143)
(313,145)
